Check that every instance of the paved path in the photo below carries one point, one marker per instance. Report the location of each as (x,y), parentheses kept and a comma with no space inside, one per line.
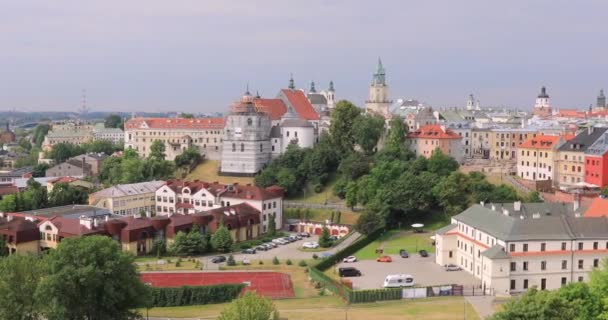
(483,305)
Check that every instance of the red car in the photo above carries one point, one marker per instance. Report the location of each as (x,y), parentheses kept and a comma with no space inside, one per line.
(384,259)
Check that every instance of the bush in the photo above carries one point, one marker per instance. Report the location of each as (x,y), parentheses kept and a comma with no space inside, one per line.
(318,188)
(315,256)
(185,296)
(159,248)
(230,261)
(261,262)
(350,250)
(275,261)
(302,263)
(288,262)
(178,263)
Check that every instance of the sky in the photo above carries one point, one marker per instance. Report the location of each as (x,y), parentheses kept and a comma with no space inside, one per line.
(199,55)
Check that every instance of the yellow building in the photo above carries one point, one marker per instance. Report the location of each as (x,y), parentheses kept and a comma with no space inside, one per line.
(536,157)
(570,160)
(504,142)
(127,199)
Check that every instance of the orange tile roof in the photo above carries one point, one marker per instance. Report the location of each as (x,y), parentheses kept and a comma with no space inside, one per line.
(572,113)
(176,123)
(433,131)
(597,208)
(540,142)
(301,104)
(275,108)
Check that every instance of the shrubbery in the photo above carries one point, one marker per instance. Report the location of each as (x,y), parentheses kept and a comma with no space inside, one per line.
(184,296)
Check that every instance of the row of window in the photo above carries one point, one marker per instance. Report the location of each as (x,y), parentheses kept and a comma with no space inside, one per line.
(543,246)
(540,165)
(521,136)
(574,168)
(534,153)
(543,283)
(191,133)
(122,203)
(564,265)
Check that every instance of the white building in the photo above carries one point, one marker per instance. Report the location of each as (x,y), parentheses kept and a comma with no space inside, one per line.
(183,197)
(114,135)
(515,246)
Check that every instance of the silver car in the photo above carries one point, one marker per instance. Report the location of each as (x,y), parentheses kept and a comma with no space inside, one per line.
(452,267)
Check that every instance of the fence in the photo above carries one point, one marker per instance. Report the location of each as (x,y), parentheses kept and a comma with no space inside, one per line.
(306,205)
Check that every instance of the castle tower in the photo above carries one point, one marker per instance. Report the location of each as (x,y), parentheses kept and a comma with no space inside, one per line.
(378,102)
(542,108)
(246,142)
(601,101)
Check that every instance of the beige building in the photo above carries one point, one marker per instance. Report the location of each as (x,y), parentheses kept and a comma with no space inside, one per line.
(505,141)
(128,199)
(512,247)
(570,160)
(178,134)
(425,140)
(536,157)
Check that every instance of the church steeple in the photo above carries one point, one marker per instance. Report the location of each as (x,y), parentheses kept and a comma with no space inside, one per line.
(331,86)
(378,101)
(291,83)
(601,100)
(312,87)
(380,75)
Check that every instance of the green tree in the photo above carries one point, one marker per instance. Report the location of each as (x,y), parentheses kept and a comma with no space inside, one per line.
(189,244)
(157,150)
(91,278)
(35,196)
(63,151)
(65,194)
(441,163)
(188,160)
(186,115)
(534,196)
(250,306)
(324,239)
(113,121)
(287,180)
(367,131)
(20,277)
(3,248)
(39,132)
(396,134)
(605,191)
(8,203)
(354,165)
(452,192)
(40,170)
(221,240)
(272,226)
(539,305)
(110,172)
(342,125)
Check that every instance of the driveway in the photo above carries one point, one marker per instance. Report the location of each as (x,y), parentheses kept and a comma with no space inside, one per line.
(424,270)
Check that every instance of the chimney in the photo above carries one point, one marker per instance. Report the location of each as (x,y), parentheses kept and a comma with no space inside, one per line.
(590,130)
(517,206)
(505,211)
(107,217)
(576,202)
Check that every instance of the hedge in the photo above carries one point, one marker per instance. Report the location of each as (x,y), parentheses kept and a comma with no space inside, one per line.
(348,251)
(185,296)
(361,296)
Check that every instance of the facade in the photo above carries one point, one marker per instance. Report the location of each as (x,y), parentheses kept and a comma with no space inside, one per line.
(378,101)
(128,199)
(8,178)
(73,132)
(480,143)
(536,157)
(189,197)
(246,142)
(515,246)
(596,162)
(178,134)
(429,138)
(82,165)
(505,141)
(114,135)
(570,161)
(7,136)
(542,108)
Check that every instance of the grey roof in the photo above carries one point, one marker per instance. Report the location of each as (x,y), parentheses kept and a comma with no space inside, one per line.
(295,122)
(534,221)
(17,172)
(496,252)
(123,190)
(583,140)
(69,211)
(446,228)
(600,146)
(317,98)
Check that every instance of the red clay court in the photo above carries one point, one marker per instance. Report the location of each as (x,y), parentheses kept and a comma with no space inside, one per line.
(273,285)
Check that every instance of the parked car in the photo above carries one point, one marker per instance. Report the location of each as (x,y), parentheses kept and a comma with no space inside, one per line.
(452,267)
(248,251)
(270,244)
(218,259)
(262,248)
(293,238)
(310,245)
(423,253)
(334,238)
(398,281)
(280,241)
(350,259)
(349,272)
(404,253)
(289,239)
(384,259)
(304,234)
(298,237)
(246,262)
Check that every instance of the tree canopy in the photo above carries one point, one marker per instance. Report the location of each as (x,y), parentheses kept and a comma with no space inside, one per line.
(250,306)
(113,121)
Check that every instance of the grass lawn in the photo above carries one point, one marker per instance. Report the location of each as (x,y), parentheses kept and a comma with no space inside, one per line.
(207,171)
(301,286)
(325,196)
(332,308)
(346,216)
(151,265)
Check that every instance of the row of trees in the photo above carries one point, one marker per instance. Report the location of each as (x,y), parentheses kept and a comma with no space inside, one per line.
(194,242)
(575,301)
(130,168)
(35,196)
(63,151)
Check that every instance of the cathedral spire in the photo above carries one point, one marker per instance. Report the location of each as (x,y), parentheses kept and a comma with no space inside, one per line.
(380,75)
(291,83)
(331,86)
(312,87)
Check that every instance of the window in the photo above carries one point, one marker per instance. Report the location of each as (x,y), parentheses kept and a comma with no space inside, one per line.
(543,284)
(595,244)
(525,266)
(525,247)
(564,246)
(525,283)
(233,147)
(580,264)
(513,268)
(242,147)
(563,281)
(512,247)
(564,264)
(543,246)
(543,265)
(512,284)
(580,246)
(450,254)
(596,263)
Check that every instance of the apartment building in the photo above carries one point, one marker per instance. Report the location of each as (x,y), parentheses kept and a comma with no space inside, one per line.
(505,141)
(480,143)
(596,162)
(512,247)
(83,165)
(536,157)
(189,197)
(570,161)
(128,199)
(428,138)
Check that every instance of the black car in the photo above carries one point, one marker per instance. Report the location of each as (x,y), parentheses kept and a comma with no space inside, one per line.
(423,253)
(404,253)
(349,272)
(218,259)
(261,248)
(248,251)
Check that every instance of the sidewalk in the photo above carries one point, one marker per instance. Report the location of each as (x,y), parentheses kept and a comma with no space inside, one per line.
(482,305)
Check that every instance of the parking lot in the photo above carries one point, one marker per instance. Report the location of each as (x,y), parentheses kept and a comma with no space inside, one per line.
(424,270)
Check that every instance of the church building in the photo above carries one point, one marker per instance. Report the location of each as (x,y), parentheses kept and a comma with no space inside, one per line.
(378,102)
(542,108)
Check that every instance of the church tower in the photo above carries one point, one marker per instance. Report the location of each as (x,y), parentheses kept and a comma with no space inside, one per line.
(471,102)
(330,96)
(378,102)
(601,101)
(542,108)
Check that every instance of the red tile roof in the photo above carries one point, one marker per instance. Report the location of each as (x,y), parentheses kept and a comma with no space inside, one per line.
(229,191)
(63,180)
(434,131)
(300,103)
(597,208)
(175,123)
(540,142)
(275,108)
(572,113)
(71,227)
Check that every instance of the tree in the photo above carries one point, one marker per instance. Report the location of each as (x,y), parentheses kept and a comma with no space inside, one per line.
(535,304)
(452,192)
(65,194)
(189,159)
(354,165)
(342,125)
(250,306)
(221,240)
(39,133)
(287,180)
(3,248)
(369,221)
(272,226)
(91,278)
(396,134)
(113,121)
(367,131)
(324,239)
(189,244)
(534,196)
(63,151)
(186,115)
(20,276)
(40,170)
(605,192)
(157,150)
(441,163)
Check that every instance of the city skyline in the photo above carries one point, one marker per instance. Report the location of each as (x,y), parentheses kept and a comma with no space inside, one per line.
(193,57)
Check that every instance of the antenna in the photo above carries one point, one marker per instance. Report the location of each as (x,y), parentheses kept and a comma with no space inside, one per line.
(83,104)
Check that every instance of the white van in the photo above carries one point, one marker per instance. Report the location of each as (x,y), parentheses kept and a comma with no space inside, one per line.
(398,281)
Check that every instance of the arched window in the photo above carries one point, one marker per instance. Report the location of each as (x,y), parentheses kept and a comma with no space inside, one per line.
(242,147)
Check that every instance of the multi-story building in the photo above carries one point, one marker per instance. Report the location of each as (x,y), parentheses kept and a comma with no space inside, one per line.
(114,135)
(570,161)
(82,166)
(188,197)
(178,134)
(512,247)
(427,139)
(73,132)
(505,141)
(536,157)
(7,136)
(480,143)
(128,199)
(596,162)
(542,108)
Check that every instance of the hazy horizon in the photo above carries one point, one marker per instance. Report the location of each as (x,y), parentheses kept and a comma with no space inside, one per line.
(198,56)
